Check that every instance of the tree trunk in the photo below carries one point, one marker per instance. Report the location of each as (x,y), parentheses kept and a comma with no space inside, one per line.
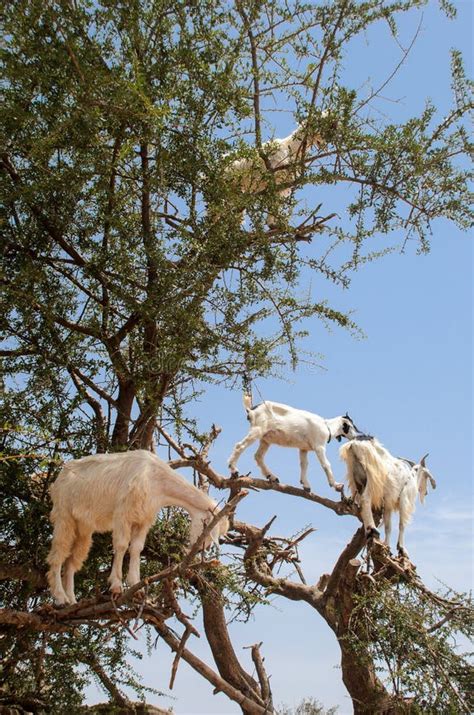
(369,696)
(124,410)
(224,655)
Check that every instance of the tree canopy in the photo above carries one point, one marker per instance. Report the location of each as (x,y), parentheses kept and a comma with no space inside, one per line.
(136,272)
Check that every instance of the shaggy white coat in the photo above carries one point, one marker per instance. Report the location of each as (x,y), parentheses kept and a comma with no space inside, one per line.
(121,493)
(251,175)
(379,480)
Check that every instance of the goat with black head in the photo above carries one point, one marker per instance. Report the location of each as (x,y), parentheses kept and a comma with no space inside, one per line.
(275,423)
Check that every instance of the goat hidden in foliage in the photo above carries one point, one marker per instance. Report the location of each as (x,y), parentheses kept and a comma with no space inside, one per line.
(283,164)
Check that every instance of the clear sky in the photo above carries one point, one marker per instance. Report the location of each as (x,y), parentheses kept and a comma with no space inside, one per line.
(409,382)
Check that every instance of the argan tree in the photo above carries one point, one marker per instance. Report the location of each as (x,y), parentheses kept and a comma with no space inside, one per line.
(137,271)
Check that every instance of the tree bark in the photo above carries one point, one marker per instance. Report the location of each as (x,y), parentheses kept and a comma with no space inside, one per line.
(125,400)
(223,652)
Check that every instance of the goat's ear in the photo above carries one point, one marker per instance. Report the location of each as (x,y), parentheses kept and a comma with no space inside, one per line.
(423,479)
(422,486)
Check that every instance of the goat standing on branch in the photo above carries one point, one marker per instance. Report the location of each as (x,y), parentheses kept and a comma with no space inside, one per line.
(377,479)
(283,165)
(274,423)
(121,493)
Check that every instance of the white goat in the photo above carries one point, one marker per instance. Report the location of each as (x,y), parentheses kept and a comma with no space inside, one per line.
(274,423)
(251,174)
(121,493)
(377,479)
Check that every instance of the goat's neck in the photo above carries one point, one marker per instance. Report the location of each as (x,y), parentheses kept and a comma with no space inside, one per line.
(294,143)
(335,426)
(173,492)
(194,510)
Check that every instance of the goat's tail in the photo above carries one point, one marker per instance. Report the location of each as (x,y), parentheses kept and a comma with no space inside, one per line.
(247,400)
(370,462)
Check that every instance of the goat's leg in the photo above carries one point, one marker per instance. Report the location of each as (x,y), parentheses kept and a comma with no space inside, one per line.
(387,521)
(135,549)
(326,465)
(274,221)
(404,519)
(304,470)
(80,549)
(253,435)
(61,545)
(121,539)
(367,516)
(406,509)
(259,455)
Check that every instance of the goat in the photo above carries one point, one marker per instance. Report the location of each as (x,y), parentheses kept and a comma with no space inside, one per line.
(377,479)
(274,423)
(121,493)
(283,160)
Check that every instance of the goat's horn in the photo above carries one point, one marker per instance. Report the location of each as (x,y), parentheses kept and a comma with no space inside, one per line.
(422,460)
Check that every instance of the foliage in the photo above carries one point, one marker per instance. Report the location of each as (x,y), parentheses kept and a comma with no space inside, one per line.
(130,280)
(130,274)
(415,641)
(308,706)
(45,665)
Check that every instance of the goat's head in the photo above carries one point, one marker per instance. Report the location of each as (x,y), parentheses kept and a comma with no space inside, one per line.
(347,428)
(199,524)
(423,476)
(311,135)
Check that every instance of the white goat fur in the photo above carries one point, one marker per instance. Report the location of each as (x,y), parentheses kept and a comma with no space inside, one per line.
(378,480)
(121,493)
(275,423)
(252,175)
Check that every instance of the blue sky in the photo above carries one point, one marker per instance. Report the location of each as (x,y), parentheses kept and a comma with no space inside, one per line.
(409,382)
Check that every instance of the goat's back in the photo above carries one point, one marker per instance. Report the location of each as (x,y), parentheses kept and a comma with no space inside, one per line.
(278,409)
(92,490)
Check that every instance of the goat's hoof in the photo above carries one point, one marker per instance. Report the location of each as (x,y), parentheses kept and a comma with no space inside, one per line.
(271,478)
(234,474)
(61,600)
(402,553)
(307,489)
(372,534)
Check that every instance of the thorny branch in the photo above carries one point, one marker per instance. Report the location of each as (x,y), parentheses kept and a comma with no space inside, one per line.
(263,557)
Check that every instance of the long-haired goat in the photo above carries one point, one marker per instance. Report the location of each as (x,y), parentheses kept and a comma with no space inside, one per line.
(121,493)
(274,423)
(377,479)
(284,156)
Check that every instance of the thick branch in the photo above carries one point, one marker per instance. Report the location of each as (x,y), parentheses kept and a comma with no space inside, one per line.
(22,573)
(247,705)
(352,549)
